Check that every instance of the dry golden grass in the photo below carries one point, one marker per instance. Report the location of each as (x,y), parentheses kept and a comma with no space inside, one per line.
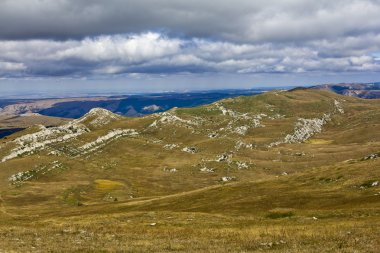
(319,141)
(103,184)
(191,232)
(13,121)
(317,196)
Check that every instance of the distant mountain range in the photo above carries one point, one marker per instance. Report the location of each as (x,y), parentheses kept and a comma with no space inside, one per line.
(360,90)
(16,114)
(128,105)
(145,104)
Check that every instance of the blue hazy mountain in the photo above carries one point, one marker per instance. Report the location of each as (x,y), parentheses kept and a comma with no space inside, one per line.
(139,105)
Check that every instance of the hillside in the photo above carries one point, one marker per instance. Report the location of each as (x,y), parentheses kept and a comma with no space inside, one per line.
(14,123)
(288,171)
(126,105)
(361,90)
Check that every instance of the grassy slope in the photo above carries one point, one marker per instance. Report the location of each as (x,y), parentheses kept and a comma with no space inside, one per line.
(220,217)
(27,121)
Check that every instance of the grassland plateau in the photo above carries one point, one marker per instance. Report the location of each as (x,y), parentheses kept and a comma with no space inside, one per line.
(283,171)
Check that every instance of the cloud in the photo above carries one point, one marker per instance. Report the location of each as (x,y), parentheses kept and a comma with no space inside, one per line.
(11,66)
(96,38)
(155,53)
(238,21)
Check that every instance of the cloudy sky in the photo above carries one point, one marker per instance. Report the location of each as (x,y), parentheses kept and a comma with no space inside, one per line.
(197,44)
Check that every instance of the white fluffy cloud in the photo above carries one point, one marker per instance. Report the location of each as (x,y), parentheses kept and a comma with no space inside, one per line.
(12,66)
(131,49)
(156,53)
(97,37)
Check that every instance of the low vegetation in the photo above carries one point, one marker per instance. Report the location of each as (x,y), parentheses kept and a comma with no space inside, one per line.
(269,172)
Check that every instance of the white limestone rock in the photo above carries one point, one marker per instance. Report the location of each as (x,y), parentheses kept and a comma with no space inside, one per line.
(242,165)
(30,143)
(170,146)
(338,106)
(242,130)
(207,170)
(240,144)
(23,176)
(98,117)
(227,179)
(170,170)
(223,158)
(191,150)
(103,140)
(304,129)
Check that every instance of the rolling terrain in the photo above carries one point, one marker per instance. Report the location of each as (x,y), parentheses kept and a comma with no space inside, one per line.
(360,90)
(126,105)
(18,114)
(14,123)
(283,171)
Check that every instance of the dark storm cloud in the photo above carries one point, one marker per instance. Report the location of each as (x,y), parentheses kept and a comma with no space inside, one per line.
(239,20)
(62,19)
(83,38)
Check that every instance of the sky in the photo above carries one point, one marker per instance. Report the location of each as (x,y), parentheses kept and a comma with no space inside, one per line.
(164,45)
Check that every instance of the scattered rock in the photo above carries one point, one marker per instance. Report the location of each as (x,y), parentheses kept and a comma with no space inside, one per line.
(170,118)
(242,130)
(207,170)
(191,150)
(227,179)
(242,165)
(213,135)
(240,144)
(371,157)
(369,184)
(304,129)
(170,170)
(276,116)
(338,106)
(267,244)
(21,177)
(171,146)
(222,158)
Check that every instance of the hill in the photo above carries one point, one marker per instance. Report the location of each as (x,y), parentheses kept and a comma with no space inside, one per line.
(127,105)
(361,90)
(13,123)
(283,171)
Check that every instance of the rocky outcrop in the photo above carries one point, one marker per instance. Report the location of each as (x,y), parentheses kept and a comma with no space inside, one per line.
(30,143)
(97,117)
(104,140)
(171,118)
(304,129)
